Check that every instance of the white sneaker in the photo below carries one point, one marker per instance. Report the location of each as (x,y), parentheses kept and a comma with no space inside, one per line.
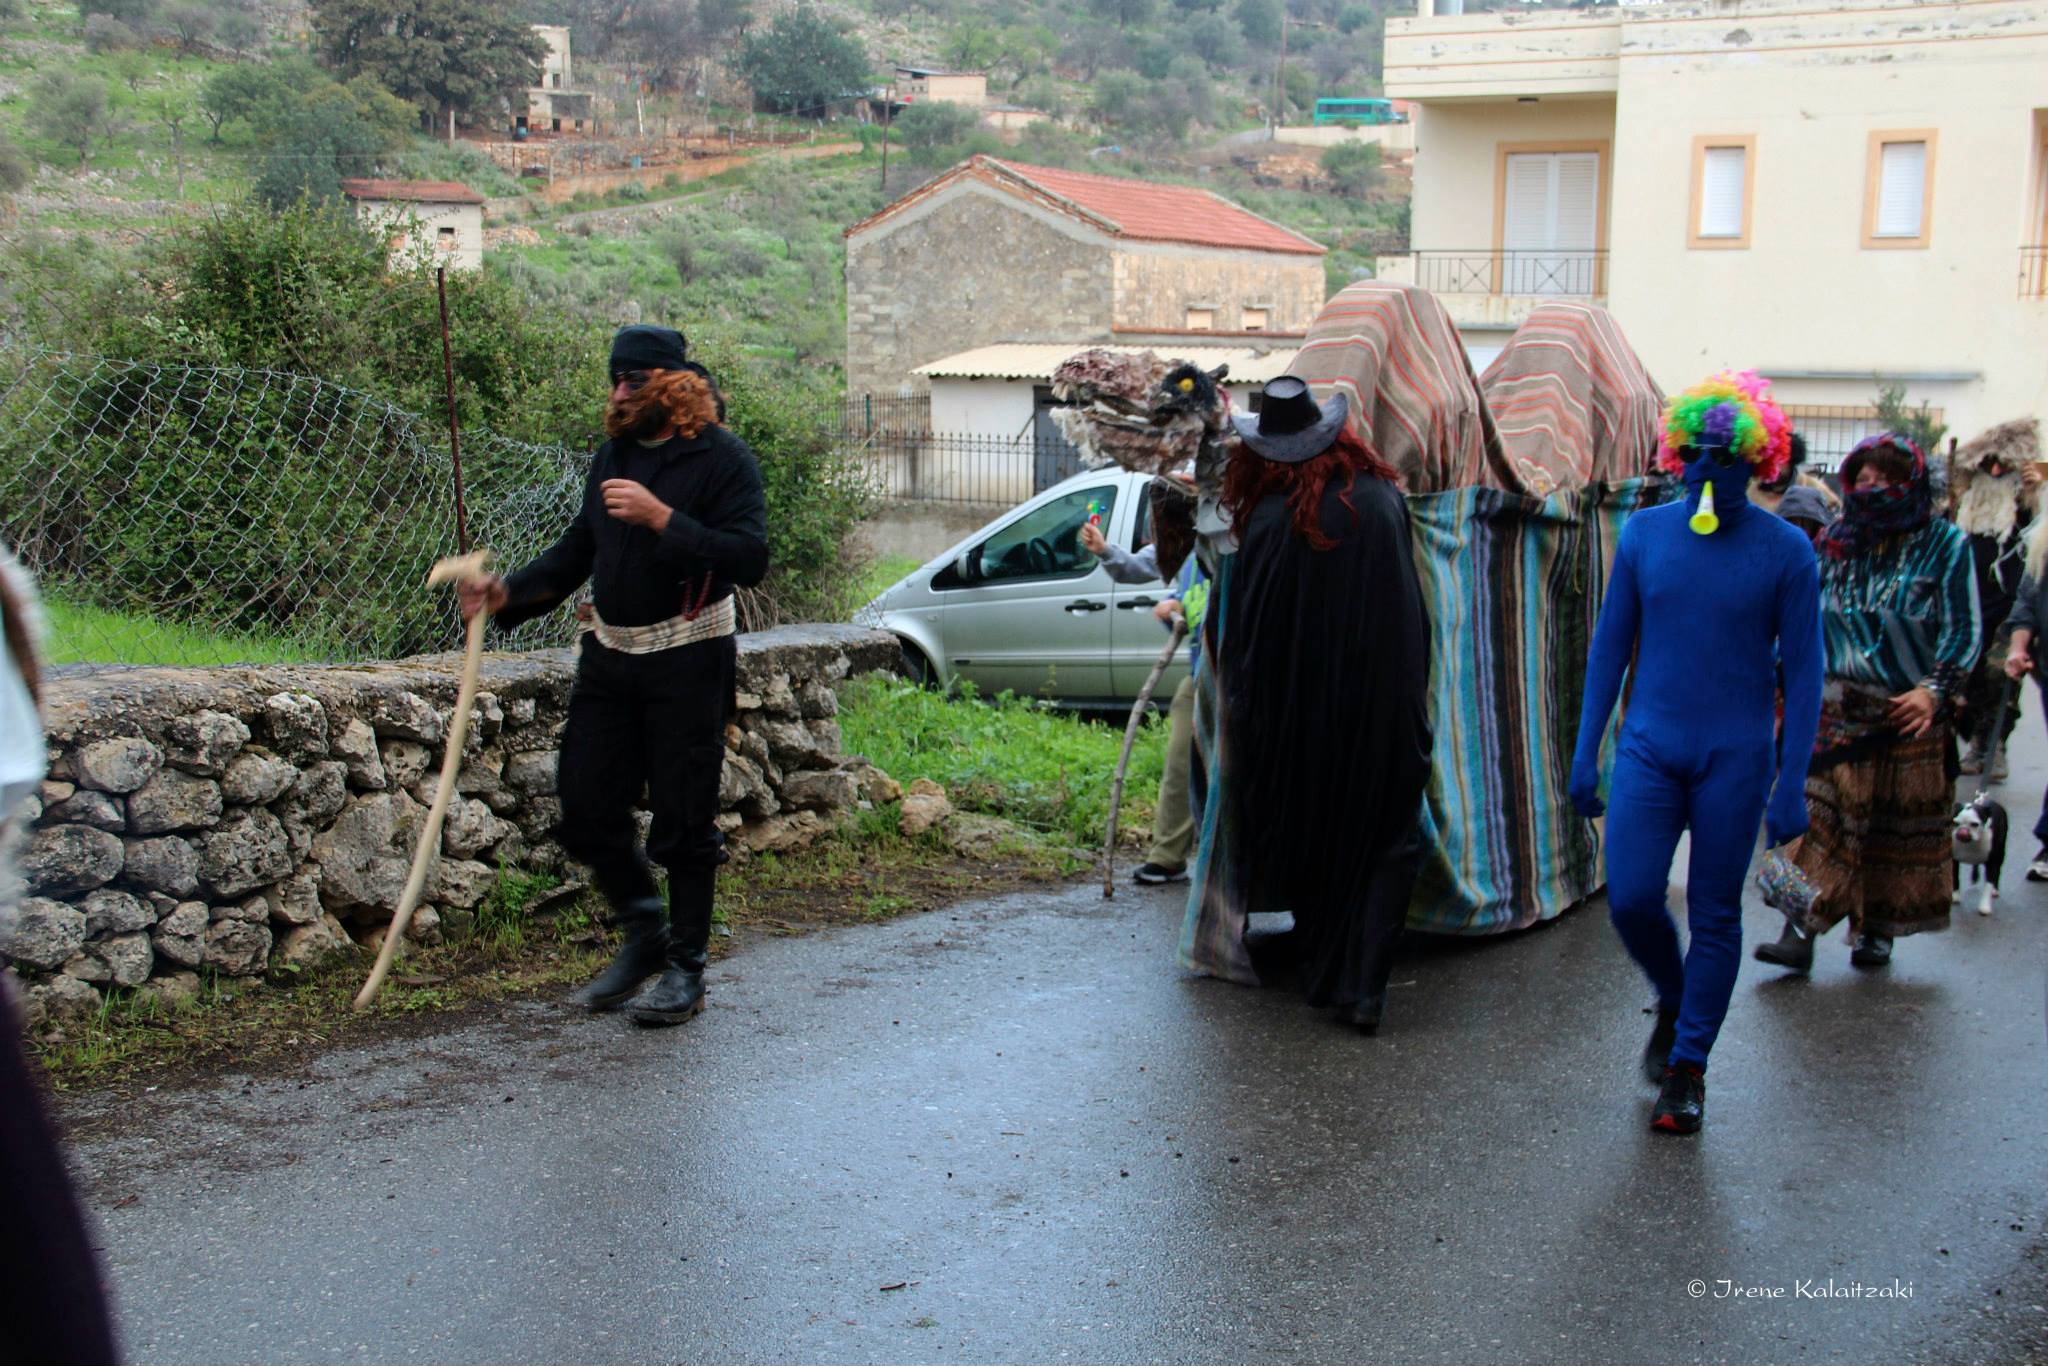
(2037,871)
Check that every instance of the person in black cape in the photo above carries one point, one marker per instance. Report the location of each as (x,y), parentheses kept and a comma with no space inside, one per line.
(1323,676)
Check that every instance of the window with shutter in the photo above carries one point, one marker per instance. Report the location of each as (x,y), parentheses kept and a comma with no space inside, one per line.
(1899,191)
(1721,172)
(1901,185)
(1723,180)
(1550,223)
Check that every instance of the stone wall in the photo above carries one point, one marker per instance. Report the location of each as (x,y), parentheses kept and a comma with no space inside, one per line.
(243,820)
(970,267)
(1157,283)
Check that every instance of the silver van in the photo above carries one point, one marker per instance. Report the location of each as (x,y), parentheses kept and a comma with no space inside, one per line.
(1019,606)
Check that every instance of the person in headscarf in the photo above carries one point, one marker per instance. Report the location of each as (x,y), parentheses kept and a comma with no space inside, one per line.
(1900,618)
(1806,509)
(1708,598)
(1322,662)
(1994,506)
(50,1291)
(673,520)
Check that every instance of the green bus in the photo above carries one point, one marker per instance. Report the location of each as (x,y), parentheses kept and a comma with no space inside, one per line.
(1358,111)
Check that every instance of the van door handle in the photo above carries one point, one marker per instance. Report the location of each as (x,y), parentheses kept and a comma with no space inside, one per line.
(1084,605)
(1132,604)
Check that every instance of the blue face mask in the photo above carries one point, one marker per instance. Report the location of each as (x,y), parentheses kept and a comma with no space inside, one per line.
(1730,481)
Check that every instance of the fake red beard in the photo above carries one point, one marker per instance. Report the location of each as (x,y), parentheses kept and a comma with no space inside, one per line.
(636,418)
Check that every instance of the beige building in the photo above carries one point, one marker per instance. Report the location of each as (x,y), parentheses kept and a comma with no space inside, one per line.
(1840,193)
(925,85)
(555,105)
(993,251)
(437,221)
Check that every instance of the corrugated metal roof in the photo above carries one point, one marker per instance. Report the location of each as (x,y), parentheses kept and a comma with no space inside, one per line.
(1037,360)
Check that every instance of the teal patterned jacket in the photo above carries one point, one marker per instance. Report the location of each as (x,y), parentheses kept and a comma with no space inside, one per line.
(1905,615)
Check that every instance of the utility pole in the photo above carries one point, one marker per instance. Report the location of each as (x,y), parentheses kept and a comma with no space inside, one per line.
(1279,84)
(887,106)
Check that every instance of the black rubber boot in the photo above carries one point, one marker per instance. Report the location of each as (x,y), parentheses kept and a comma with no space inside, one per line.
(1793,950)
(678,994)
(643,948)
(1657,1052)
(1872,951)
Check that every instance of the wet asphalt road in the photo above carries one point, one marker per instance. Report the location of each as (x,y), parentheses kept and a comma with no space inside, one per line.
(1013,1132)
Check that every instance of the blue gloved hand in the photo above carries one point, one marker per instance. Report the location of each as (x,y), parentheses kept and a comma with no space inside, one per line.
(1785,818)
(1585,790)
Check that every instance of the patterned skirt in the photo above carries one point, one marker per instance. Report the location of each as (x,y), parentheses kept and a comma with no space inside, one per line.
(1877,850)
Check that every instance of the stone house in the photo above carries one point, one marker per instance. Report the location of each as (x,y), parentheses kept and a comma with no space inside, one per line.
(927,85)
(994,251)
(438,219)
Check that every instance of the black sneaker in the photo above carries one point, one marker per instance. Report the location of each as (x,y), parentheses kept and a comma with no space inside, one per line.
(1682,1104)
(1657,1053)
(1156,874)
(1872,951)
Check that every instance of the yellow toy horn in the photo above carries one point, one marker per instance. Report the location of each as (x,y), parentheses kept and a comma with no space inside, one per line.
(1704,521)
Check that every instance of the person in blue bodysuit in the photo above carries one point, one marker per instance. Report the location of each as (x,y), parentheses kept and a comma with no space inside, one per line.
(1708,596)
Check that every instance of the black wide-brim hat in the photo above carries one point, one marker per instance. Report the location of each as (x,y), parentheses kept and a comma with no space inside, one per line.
(1291,426)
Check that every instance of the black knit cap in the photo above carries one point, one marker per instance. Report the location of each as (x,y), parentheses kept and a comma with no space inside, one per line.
(641,347)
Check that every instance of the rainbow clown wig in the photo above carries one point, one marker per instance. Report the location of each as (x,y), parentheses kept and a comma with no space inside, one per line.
(1732,410)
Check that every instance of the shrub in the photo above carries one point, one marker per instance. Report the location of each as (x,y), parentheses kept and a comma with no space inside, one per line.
(14,167)
(1354,167)
(105,33)
(69,110)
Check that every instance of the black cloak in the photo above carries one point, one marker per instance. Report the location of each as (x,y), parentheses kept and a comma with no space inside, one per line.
(1324,675)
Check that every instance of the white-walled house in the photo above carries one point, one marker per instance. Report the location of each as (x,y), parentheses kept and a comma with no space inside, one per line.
(1838,194)
(440,221)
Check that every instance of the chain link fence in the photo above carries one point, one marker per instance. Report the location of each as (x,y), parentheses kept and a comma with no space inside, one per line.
(209,515)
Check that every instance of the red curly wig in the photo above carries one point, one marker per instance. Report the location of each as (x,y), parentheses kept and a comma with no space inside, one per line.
(1249,477)
(681,398)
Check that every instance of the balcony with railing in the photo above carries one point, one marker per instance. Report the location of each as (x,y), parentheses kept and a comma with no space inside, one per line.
(1485,288)
(2034,272)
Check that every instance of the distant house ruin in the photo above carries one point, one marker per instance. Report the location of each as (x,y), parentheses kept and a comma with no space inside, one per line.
(555,105)
(436,221)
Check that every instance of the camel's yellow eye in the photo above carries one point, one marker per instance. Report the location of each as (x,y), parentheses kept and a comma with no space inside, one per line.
(1187,386)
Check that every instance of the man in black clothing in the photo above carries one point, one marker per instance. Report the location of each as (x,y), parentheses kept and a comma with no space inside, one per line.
(673,519)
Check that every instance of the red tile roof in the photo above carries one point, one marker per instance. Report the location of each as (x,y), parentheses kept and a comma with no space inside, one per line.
(414,191)
(1163,213)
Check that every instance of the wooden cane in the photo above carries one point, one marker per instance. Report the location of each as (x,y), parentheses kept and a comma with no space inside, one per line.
(1123,762)
(461,569)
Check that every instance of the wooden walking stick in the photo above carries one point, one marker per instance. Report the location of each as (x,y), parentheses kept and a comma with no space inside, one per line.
(461,569)
(1123,762)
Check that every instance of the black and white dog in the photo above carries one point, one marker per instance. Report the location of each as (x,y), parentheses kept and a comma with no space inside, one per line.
(1979,840)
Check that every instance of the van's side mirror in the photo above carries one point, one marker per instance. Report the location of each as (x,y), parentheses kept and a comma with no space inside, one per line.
(958,574)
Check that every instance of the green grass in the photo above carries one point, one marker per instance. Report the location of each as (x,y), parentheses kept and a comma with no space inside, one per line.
(881,572)
(81,634)
(1042,768)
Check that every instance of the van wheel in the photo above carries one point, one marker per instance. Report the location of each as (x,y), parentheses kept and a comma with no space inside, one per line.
(915,667)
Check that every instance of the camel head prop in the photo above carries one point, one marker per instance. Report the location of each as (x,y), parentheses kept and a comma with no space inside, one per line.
(1157,417)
